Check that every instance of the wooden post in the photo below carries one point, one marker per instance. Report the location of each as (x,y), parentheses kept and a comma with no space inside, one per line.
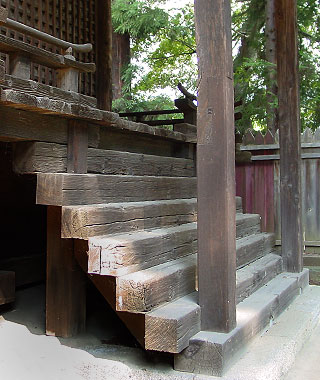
(2,71)
(289,128)
(104,54)
(68,79)
(19,66)
(66,282)
(216,167)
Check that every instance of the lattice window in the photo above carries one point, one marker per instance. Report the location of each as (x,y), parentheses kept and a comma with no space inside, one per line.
(70,20)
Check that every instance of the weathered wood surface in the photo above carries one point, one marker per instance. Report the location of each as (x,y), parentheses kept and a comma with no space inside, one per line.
(40,89)
(43,57)
(131,252)
(211,353)
(104,54)
(188,129)
(77,150)
(3,14)
(20,66)
(250,248)
(289,127)
(77,189)
(47,106)
(7,287)
(2,71)
(51,158)
(83,222)
(23,125)
(126,253)
(107,287)
(215,166)
(144,290)
(66,288)
(170,327)
(254,276)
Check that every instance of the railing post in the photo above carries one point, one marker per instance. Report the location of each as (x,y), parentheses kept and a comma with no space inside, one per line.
(68,79)
(19,66)
(189,110)
(289,127)
(2,71)
(216,167)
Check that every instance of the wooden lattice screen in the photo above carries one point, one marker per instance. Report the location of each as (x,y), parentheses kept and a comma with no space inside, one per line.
(70,20)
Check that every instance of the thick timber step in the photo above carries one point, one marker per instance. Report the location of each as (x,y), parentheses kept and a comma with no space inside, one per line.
(144,290)
(82,222)
(63,189)
(120,254)
(211,353)
(31,157)
(250,248)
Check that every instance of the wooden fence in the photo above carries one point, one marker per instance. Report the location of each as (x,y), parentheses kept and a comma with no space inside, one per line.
(258,183)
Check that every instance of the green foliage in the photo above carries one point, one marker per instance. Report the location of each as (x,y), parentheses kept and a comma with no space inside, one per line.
(163,52)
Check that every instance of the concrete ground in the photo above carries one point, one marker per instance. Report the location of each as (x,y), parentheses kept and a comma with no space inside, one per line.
(107,351)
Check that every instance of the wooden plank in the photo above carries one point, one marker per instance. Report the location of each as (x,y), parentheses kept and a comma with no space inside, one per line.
(20,66)
(40,89)
(179,320)
(86,221)
(215,159)
(77,189)
(126,253)
(7,287)
(289,126)
(144,290)
(33,157)
(77,152)
(24,125)
(104,54)
(43,57)
(66,286)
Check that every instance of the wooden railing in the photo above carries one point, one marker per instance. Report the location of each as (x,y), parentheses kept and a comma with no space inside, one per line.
(22,54)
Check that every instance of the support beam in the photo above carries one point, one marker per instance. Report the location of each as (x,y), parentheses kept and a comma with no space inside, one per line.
(104,54)
(66,286)
(77,160)
(216,167)
(289,126)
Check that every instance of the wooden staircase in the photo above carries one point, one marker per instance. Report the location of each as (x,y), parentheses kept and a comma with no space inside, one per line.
(136,237)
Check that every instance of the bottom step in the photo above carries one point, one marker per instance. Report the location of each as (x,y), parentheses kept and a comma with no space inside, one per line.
(210,353)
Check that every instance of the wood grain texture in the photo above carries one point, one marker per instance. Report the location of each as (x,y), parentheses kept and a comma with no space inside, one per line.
(215,160)
(40,89)
(170,327)
(65,289)
(289,127)
(41,56)
(51,158)
(83,222)
(7,287)
(144,290)
(126,253)
(76,189)
(77,151)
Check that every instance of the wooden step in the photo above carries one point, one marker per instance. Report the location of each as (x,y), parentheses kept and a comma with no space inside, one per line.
(211,353)
(178,320)
(250,248)
(121,254)
(82,222)
(62,189)
(144,290)
(31,157)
